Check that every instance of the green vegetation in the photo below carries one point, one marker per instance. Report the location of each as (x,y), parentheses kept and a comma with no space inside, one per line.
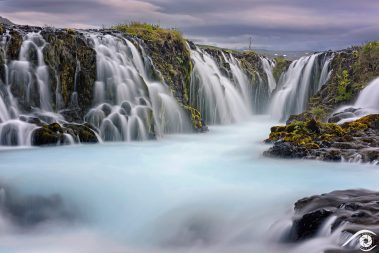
(150,32)
(311,133)
(195,117)
(353,69)
(319,112)
(171,57)
(2,30)
(344,94)
(281,66)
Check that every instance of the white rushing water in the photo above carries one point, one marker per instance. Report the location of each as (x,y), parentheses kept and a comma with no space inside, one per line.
(28,76)
(129,105)
(303,79)
(268,67)
(184,193)
(366,103)
(219,99)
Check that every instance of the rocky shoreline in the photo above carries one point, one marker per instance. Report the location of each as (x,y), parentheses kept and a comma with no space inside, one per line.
(356,141)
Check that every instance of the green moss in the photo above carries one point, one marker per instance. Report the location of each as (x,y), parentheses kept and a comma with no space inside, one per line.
(306,133)
(353,69)
(319,112)
(70,31)
(344,94)
(2,30)
(195,117)
(311,133)
(280,66)
(150,32)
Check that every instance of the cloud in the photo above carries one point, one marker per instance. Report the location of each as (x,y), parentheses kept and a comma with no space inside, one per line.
(274,24)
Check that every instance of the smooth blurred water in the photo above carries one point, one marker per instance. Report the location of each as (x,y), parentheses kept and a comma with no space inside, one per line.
(210,192)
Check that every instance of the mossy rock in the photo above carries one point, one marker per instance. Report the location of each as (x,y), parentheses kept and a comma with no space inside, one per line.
(14,45)
(54,134)
(311,133)
(197,122)
(281,66)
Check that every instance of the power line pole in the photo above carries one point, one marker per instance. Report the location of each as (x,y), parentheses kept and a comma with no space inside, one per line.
(250,42)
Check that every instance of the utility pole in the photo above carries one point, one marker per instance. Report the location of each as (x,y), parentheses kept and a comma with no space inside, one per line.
(250,42)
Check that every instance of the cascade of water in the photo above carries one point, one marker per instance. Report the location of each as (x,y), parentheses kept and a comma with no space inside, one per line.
(303,79)
(219,99)
(366,103)
(31,67)
(369,96)
(128,104)
(240,79)
(268,67)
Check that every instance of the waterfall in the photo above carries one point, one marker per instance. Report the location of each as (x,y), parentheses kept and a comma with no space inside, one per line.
(220,99)
(268,67)
(366,103)
(302,80)
(128,104)
(369,96)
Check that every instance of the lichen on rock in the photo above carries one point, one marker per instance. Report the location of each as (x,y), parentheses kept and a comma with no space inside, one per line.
(313,139)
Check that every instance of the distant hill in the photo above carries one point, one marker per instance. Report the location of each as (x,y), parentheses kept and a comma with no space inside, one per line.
(5,21)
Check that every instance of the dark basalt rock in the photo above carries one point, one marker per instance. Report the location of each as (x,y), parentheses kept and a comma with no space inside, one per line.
(353,209)
(309,224)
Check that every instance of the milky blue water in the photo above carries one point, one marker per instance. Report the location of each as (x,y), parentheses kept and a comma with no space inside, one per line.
(211,192)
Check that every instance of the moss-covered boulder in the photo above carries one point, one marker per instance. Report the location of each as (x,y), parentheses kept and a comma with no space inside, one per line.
(55,134)
(313,139)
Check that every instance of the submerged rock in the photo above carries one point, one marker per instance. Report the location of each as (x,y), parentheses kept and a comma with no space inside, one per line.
(32,210)
(352,141)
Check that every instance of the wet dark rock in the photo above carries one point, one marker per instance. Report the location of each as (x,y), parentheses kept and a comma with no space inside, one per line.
(352,211)
(286,150)
(127,107)
(356,141)
(340,116)
(55,134)
(309,224)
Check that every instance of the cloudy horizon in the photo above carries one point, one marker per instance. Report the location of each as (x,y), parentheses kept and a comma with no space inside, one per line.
(273,24)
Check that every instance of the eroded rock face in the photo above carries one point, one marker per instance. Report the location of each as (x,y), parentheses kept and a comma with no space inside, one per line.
(352,141)
(72,63)
(351,210)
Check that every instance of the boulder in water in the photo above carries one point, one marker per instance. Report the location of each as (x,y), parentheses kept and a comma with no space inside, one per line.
(352,211)
(55,134)
(311,139)
(32,210)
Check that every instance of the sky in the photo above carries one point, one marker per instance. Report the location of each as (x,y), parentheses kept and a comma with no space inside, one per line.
(272,24)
